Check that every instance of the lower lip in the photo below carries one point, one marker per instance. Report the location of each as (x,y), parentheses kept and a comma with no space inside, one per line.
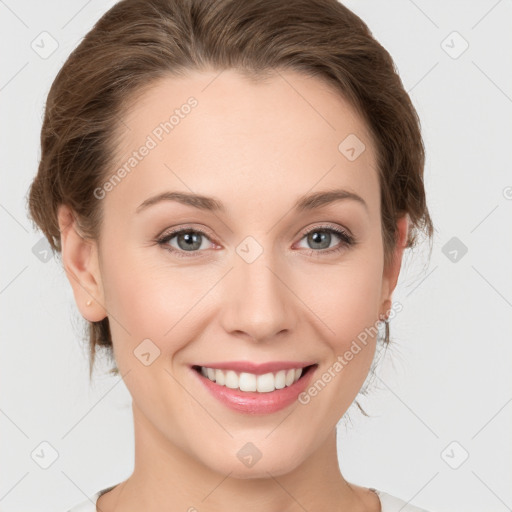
(252,402)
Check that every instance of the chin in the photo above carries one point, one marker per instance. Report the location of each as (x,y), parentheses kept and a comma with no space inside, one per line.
(260,471)
(250,463)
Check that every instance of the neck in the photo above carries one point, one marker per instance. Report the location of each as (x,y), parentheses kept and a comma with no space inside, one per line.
(165,477)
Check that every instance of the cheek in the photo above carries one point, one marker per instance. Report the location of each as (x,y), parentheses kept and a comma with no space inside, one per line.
(151,300)
(350,312)
(346,296)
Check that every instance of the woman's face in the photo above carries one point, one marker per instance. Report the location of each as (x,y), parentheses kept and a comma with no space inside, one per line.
(247,283)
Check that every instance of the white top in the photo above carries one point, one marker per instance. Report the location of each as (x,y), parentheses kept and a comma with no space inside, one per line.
(388,503)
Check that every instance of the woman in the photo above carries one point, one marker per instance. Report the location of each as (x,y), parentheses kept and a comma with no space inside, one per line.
(232,186)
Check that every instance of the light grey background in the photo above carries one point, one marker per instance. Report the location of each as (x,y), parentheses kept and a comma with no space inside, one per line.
(443,391)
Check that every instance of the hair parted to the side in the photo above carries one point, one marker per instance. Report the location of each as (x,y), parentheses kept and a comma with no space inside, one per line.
(139,41)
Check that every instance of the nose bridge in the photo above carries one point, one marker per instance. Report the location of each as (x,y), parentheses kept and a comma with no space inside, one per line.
(258,302)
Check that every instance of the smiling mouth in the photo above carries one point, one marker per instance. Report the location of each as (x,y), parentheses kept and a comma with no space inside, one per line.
(250,382)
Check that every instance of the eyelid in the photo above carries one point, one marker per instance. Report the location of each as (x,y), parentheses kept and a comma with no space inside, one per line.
(185,227)
(325,226)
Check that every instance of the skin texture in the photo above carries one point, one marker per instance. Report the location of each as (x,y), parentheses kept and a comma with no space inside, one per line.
(256,147)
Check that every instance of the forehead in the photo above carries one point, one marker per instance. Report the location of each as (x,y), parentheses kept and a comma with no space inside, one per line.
(226,135)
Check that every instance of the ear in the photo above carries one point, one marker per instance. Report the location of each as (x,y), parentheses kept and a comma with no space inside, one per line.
(391,273)
(80,260)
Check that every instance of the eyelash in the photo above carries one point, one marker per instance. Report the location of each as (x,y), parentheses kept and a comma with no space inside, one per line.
(346,241)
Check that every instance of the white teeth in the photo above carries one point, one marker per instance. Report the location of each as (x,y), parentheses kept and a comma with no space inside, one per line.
(244,381)
(219,377)
(231,380)
(290,376)
(265,383)
(280,379)
(247,382)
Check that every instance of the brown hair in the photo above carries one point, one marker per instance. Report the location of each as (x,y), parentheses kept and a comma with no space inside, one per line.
(139,41)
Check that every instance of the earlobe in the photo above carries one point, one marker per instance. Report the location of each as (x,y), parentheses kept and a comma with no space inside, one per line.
(80,261)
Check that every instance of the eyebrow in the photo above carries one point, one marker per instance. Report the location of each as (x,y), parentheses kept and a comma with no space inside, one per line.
(303,203)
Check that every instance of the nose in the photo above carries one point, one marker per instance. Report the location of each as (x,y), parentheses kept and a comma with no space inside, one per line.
(258,302)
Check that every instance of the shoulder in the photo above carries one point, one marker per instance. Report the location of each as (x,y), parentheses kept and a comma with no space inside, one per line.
(89,505)
(391,503)
(86,506)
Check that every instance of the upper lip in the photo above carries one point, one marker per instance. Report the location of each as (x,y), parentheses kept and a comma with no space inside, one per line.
(257,368)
